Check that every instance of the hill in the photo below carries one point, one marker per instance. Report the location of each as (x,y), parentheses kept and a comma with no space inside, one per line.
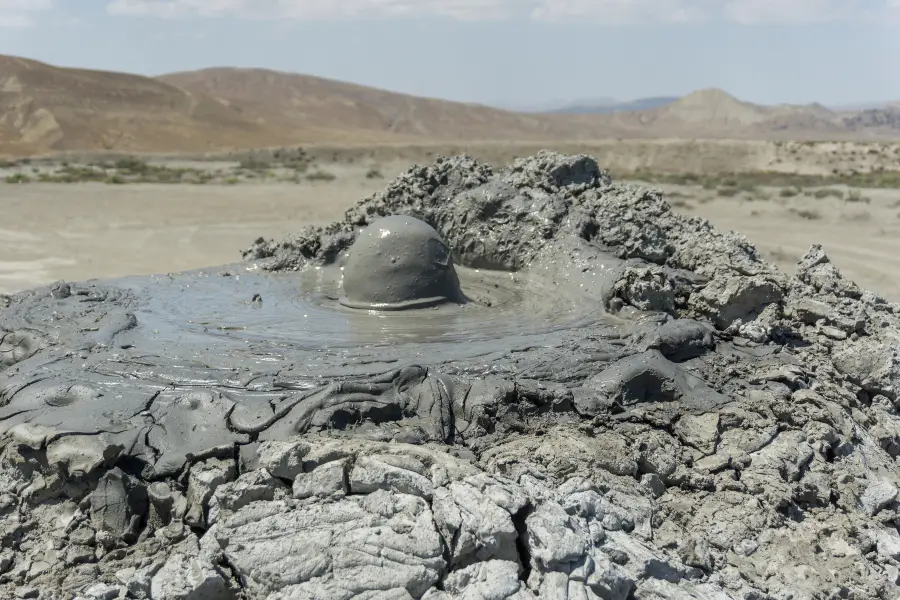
(44,108)
(343,111)
(607,106)
(336,110)
(714,113)
(859,106)
(887,118)
(709,109)
(47,108)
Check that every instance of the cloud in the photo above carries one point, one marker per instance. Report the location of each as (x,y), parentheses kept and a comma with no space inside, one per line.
(893,10)
(625,11)
(174,9)
(317,9)
(602,11)
(20,13)
(793,11)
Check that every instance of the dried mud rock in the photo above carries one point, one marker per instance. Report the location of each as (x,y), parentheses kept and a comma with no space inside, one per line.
(706,428)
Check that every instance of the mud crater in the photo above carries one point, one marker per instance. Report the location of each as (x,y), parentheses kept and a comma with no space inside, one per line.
(625,406)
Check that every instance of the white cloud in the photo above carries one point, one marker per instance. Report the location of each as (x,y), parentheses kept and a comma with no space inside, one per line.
(172,9)
(892,7)
(23,5)
(316,9)
(20,13)
(458,9)
(14,21)
(792,11)
(624,11)
(604,11)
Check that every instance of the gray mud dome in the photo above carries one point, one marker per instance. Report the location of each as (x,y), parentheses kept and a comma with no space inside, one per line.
(631,405)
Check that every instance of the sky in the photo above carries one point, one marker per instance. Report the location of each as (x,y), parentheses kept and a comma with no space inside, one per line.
(512,53)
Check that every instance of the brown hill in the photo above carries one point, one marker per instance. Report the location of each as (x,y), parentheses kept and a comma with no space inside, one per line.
(713,113)
(335,110)
(881,118)
(710,109)
(45,109)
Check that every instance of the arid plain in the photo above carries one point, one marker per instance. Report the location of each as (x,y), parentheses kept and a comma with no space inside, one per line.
(95,216)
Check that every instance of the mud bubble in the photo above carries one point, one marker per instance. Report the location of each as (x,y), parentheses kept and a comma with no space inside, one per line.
(399,263)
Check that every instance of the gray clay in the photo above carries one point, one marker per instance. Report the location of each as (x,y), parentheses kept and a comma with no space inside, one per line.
(616,402)
(397,263)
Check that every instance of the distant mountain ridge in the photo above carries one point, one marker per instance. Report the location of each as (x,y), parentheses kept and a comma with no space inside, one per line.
(607,106)
(44,108)
(859,106)
(612,105)
(887,117)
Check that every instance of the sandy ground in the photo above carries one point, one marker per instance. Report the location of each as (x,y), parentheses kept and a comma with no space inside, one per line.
(863,239)
(80,231)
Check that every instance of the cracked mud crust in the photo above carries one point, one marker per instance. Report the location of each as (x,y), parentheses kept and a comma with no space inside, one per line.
(633,406)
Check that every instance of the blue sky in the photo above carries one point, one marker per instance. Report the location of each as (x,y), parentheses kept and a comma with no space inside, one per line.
(508,52)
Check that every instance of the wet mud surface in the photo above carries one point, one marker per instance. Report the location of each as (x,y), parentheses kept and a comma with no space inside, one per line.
(629,405)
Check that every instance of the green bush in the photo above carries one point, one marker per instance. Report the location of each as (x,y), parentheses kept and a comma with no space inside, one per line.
(321,175)
(254,164)
(728,191)
(131,165)
(809,215)
(856,196)
(829,192)
(877,178)
(75,174)
(789,192)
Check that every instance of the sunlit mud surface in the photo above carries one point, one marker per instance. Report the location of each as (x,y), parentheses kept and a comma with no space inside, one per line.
(630,405)
(300,310)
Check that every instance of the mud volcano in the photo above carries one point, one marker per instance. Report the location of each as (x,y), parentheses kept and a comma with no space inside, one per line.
(585,396)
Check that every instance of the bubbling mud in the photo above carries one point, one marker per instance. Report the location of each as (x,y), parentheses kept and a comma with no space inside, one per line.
(302,309)
(629,405)
(399,263)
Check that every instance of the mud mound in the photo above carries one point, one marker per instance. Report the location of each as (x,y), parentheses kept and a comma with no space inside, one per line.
(710,429)
(557,212)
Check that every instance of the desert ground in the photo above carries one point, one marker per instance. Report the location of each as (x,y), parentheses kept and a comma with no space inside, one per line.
(64,219)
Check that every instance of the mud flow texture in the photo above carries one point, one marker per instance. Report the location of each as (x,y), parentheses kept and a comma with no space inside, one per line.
(397,263)
(630,406)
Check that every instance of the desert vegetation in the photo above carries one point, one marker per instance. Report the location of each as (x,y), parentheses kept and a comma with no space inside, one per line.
(285,166)
(749,180)
(295,166)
